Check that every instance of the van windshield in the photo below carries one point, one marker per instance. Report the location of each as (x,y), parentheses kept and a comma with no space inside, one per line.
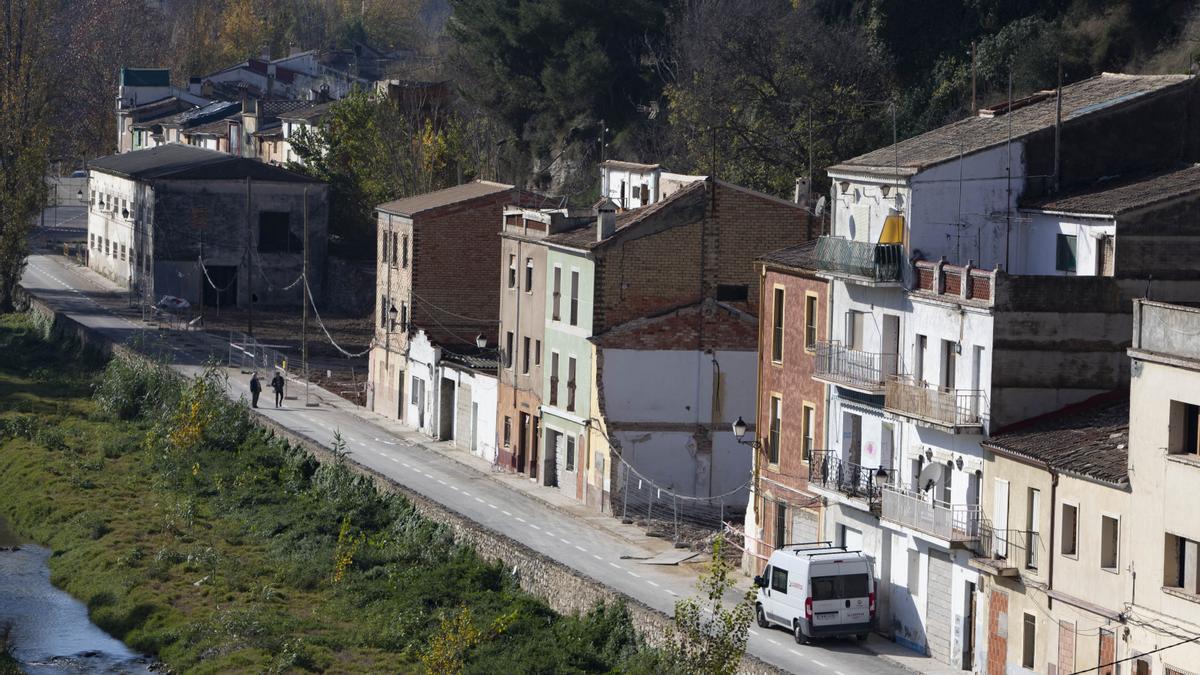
(840,587)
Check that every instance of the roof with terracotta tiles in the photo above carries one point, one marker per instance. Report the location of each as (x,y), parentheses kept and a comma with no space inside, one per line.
(585,237)
(411,206)
(1089,439)
(708,324)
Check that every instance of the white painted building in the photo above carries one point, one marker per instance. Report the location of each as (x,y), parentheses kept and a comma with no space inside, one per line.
(924,358)
(452,394)
(668,388)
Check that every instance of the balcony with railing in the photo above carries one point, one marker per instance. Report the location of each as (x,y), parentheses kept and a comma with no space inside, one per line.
(941,407)
(829,472)
(954,523)
(879,263)
(854,368)
(1006,552)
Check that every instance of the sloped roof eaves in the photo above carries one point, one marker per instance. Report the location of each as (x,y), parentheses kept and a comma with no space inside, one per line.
(176,161)
(1117,197)
(1089,440)
(438,199)
(584,238)
(1101,93)
(307,114)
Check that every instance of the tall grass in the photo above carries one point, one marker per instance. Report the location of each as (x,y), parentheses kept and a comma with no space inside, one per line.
(196,536)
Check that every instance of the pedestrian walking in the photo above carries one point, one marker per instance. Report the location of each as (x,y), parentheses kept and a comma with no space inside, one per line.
(255,390)
(277,385)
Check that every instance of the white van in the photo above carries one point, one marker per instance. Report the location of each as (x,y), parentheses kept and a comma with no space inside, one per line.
(817,590)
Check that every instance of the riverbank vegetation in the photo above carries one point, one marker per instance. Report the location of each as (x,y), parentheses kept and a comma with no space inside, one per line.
(195,536)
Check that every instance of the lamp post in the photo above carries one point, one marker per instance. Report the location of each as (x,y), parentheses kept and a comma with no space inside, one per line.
(481,341)
(739,432)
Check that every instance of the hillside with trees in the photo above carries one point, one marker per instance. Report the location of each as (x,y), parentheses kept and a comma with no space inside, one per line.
(756,91)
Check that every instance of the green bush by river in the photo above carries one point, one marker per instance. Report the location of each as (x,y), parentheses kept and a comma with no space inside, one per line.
(195,536)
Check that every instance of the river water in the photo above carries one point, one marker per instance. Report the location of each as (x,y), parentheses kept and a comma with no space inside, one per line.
(49,631)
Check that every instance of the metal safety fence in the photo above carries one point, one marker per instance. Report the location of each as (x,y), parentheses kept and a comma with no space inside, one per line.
(686,520)
(247,354)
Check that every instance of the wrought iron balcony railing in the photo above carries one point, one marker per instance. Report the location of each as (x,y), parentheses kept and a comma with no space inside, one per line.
(827,469)
(939,405)
(852,367)
(877,262)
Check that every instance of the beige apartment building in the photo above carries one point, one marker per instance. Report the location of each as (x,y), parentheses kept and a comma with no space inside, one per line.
(1089,549)
(1054,540)
(1163,599)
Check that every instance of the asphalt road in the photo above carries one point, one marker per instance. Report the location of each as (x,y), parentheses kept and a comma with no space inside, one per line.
(597,552)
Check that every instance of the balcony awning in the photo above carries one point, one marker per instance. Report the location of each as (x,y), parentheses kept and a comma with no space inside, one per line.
(893,230)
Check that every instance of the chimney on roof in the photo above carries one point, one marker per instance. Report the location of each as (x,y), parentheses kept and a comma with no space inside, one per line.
(803,194)
(194,86)
(266,53)
(606,219)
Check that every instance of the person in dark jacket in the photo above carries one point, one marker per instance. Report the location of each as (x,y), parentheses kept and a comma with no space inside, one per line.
(255,390)
(277,385)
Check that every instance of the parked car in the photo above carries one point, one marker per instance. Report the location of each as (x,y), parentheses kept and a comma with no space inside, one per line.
(79,174)
(817,590)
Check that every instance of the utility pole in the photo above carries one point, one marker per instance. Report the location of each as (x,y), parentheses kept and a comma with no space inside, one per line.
(304,320)
(974,110)
(1057,124)
(249,270)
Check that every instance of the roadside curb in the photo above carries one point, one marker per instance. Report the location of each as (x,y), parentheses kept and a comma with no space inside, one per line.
(406,435)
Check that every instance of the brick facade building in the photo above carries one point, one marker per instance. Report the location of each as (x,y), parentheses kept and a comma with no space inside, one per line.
(436,268)
(791,404)
(697,241)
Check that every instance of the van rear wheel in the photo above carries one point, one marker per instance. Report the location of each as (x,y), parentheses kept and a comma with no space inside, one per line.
(761,617)
(798,633)
(862,637)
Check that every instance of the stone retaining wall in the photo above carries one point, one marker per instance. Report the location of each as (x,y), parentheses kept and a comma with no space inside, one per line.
(565,590)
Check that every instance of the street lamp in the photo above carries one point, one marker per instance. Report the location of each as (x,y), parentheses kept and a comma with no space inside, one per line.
(392,318)
(480,341)
(739,432)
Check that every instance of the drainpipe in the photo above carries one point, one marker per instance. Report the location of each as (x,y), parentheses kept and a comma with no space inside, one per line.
(1053,512)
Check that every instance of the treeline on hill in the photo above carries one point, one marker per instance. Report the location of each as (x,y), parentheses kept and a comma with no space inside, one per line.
(194,536)
(756,91)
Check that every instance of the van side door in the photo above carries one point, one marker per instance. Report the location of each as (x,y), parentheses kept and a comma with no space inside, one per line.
(777,586)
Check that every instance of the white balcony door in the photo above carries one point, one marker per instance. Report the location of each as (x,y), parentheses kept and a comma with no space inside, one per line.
(949,363)
(891,344)
(852,438)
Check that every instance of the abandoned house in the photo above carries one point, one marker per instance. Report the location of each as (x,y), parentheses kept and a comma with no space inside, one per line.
(205,226)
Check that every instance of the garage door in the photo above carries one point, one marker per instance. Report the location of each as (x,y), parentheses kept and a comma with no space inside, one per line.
(937,612)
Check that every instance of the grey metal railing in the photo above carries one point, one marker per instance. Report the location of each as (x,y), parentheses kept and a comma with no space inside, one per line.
(834,361)
(952,522)
(951,407)
(878,262)
(827,469)
(1018,547)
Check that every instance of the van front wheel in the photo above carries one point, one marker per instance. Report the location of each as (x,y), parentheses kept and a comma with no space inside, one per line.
(761,617)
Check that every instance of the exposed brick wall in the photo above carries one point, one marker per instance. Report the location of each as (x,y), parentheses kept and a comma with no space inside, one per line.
(682,264)
(997,649)
(1066,646)
(792,380)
